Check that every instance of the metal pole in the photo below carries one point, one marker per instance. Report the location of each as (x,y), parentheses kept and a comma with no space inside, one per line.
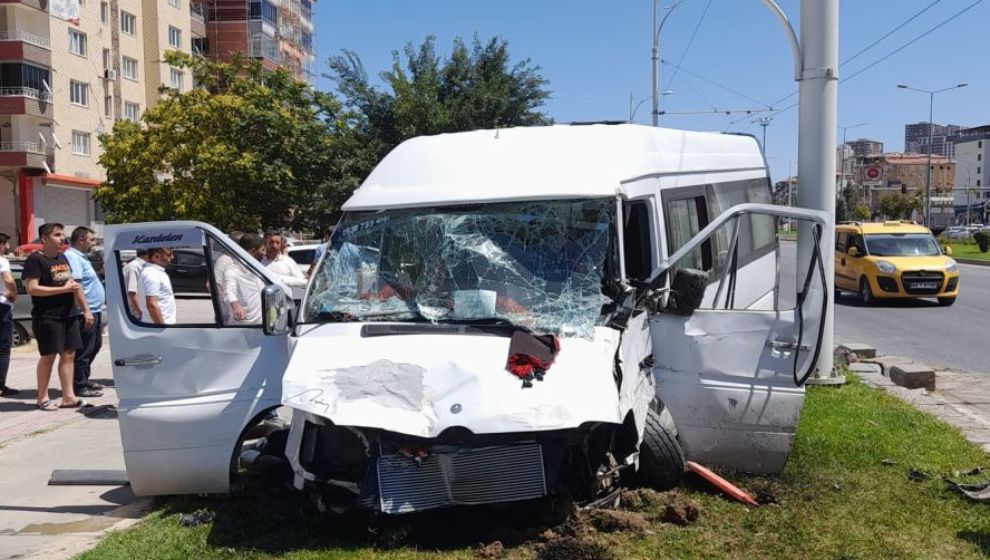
(656,65)
(928,180)
(818,91)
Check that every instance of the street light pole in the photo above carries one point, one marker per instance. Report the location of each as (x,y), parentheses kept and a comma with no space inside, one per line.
(931,132)
(764,122)
(655,58)
(843,174)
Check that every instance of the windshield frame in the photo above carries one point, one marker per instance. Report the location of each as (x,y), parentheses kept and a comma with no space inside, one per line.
(933,243)
(609,268)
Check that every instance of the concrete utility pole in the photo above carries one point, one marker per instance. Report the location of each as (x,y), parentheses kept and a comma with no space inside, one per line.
(931,131)
(656,55)
(816,68)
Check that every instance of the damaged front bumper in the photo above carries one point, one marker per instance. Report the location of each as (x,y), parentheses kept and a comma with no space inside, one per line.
(376,470)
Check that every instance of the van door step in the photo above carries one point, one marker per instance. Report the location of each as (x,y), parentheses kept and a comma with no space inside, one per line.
(93,477)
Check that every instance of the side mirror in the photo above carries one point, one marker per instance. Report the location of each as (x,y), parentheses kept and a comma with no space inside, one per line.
(853,252)
(687,291)
(948,251)
(275,307)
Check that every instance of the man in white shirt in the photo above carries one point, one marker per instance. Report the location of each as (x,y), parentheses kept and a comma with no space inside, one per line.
(157,287)
(242,287)
(280,263)
(132,282)
(8,293)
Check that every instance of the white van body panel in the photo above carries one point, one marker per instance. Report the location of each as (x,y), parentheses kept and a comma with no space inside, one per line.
(180,418)
(423,384)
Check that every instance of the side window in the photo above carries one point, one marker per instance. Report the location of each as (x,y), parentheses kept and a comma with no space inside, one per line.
(186,285)
(638,239)
(685,218)
(857,240)
(841,239)
(757,233)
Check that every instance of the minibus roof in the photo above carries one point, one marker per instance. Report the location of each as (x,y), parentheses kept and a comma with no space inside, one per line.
(546,162)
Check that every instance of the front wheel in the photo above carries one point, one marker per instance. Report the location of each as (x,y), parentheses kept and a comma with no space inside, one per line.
(20,335)
(946,301)
(865,292)
(661,461)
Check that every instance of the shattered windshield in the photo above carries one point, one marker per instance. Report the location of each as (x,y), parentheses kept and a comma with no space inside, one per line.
(537,265)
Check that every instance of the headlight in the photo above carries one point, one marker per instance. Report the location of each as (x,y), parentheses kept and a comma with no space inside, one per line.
(886,266)
(951,266)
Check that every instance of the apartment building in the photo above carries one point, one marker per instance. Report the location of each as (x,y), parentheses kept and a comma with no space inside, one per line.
(279,33)
(972,175)
(916,138)
(65,78)
(905,173)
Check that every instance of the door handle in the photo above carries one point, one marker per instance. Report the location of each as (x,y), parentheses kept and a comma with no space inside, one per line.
(138,362)
(787,345)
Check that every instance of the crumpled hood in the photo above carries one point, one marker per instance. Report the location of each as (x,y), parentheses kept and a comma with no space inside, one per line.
(422,384)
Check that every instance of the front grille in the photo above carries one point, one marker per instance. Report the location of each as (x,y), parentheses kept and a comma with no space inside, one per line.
(911,279)
(460,476)
(887,284)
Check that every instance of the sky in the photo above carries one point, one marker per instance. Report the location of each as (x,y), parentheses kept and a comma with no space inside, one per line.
(732,55)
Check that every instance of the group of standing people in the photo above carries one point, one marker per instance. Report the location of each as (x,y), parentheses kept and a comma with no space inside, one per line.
(67,298)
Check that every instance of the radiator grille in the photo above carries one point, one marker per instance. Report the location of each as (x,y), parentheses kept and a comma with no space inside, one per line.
(461,477)
(912,282)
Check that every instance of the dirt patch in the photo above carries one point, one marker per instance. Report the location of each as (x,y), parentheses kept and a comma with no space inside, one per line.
(571,548)
(612,521)
(669,507)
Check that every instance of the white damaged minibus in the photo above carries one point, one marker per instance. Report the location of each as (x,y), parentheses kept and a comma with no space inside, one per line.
(501,315)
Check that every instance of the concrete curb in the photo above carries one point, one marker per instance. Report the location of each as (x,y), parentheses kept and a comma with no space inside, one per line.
(972,261)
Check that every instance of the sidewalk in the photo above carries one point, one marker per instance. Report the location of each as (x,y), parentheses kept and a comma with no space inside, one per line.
(51,522)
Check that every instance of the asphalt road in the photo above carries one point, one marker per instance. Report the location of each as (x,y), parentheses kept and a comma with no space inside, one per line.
(956,337)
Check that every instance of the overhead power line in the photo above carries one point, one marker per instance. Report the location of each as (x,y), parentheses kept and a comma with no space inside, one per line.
(714,83)
(889,33)
(690,42)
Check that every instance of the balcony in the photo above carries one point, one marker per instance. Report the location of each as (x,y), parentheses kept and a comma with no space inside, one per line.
(22,154)
(197,19)
(26,46)
(37,4)
(25,101)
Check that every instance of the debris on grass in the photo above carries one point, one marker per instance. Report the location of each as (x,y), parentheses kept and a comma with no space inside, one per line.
(490,550)
(681,512)
(198,517)
(975,492)
(888,462)
(971,472)
(613,521)
(915,475)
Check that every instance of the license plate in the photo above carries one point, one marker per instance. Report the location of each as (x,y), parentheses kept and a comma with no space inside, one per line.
(924,285)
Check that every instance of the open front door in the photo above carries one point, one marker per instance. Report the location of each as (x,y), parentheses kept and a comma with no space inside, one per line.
(187,389)
(731,372)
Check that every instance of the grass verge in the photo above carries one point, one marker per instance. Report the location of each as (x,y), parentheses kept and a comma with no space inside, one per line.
(968,251)
(846,493)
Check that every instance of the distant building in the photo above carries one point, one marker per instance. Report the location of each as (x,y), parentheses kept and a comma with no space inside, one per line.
(864,147)
(904,173)
(972,147)
(279,33)
(916,138)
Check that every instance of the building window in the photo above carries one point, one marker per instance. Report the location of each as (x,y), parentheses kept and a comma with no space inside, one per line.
(107,106)
(979,144)
(979,157)
(175,78)
(79,93)
(173,3)
(77,42)
(132,111)
(20,75)
(106,59)
(130,68)
(80,143)
(174,37)
(128,23)
(104,12)
(979,170)
(200,46)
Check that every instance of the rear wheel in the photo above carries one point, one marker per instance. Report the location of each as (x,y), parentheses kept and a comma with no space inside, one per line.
(20,335)
(865,292)
(661,461)
(946,301)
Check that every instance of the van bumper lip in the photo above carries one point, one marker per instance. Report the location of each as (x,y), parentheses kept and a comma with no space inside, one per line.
(902,294)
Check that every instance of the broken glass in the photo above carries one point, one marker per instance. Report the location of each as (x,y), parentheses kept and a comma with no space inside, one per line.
(534,264)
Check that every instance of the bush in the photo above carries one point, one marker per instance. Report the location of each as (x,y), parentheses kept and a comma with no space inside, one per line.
(982,238)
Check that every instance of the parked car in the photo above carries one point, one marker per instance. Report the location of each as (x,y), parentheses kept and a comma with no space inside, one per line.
(958,232)
(303,255)
(893,259)
(22,306)
(188,271)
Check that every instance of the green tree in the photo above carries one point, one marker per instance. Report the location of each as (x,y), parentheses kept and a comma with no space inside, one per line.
(861,212)
(476,87)
(245,150)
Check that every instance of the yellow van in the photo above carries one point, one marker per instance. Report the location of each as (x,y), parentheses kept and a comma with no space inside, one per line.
(893,259)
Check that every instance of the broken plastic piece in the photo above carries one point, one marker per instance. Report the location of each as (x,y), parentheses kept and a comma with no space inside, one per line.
(975,492)
(722,484)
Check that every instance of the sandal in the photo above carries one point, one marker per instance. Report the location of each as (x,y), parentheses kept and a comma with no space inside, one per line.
(47,405)
(81,403)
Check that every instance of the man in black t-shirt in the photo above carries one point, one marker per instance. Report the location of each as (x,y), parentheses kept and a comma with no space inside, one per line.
(56,300)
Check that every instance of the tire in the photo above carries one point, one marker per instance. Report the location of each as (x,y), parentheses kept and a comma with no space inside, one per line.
(946,301)
(865,292)
(661,461)
(20,335)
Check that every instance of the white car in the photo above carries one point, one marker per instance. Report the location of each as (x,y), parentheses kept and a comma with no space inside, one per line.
(303,255)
